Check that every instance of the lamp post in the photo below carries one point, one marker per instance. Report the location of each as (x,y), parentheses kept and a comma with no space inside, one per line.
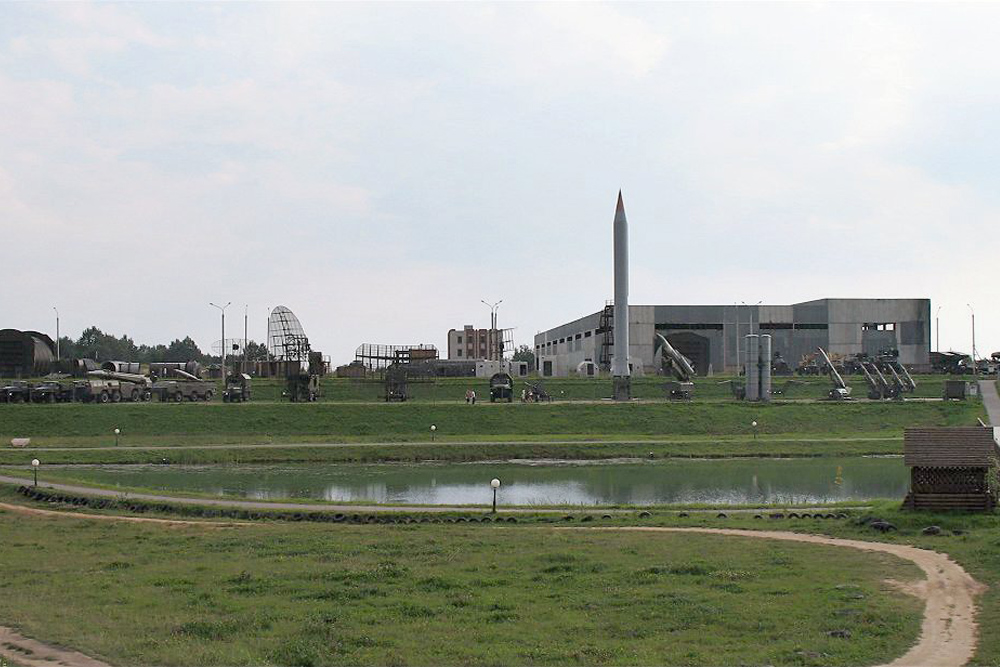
(434,429)
(117,433)
(495,347)
(246,320)
(34,466)
(754,424)
(222,309)
(975,365)
(937,329)
(495,484)
(57,332)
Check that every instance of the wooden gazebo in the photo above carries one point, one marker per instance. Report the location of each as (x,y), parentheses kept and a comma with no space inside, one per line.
(951,468)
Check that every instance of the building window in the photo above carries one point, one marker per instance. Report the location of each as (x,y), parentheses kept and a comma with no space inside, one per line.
(586,334)
(878,326)
(459,352)
(579,336)
(459,340)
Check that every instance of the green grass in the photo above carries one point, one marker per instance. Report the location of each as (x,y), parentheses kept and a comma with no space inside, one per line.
(412,421)
(304,594)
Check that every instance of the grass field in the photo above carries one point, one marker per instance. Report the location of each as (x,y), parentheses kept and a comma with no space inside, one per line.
(412,421)
(302,594)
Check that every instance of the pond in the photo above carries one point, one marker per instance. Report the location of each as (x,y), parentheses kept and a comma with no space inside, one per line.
(525,483)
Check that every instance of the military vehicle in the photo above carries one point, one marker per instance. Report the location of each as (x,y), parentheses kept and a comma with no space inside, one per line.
(536,393)
(52,392)
(840,390)
(183,390)
(680,366)
(15,392)
(237,388)
(501,388)
(302,387)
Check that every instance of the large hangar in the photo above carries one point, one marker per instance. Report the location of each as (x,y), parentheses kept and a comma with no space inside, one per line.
(709,335)
(25,353)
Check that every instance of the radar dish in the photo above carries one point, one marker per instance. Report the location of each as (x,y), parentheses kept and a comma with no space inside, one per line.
(286,341)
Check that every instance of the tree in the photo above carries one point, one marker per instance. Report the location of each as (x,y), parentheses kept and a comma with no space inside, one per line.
(524,353)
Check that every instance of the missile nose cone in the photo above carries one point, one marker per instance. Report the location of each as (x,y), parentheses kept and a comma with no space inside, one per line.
(620,208)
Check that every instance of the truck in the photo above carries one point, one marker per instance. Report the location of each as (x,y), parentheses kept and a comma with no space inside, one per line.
(183,389)
(501,388)
(302,387)
(51,391)
(15,392)
(99,389)
(237,388)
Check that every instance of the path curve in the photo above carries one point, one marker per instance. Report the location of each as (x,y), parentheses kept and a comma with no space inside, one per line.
(948,633)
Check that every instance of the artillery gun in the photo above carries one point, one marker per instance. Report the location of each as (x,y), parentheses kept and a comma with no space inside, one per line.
(680,366)
(840,390)
(536,393)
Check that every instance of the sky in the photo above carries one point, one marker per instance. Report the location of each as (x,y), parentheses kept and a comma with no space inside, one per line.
(382,168)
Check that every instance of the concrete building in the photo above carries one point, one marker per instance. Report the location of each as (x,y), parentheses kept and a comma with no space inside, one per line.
(710,335)
(472,343)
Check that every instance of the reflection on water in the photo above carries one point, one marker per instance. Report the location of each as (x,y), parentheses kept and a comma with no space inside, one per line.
(727,481)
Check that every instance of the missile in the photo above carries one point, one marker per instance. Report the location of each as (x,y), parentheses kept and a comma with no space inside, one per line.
(619,363)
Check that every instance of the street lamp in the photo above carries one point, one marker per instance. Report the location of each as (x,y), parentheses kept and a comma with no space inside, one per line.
(495,348)
(495,483)
(975,365)
(937,328)
(222,309)
(34,466)
(434,429)
(57,332)
(117,433)
(736,307)
(754,424)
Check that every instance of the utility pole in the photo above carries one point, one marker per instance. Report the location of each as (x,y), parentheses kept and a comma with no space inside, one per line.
(57,332)
(736,307)
(975,364)
(222,309)
(937,329)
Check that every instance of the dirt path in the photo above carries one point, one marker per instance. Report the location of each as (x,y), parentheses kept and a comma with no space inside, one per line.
(33,511)
(948,634)
(947,637)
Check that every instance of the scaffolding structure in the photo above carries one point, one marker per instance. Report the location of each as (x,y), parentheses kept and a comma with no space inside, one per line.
(376,357)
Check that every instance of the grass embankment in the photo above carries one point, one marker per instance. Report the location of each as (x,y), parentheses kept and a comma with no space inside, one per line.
(453,390)
(305,594)
(558,430)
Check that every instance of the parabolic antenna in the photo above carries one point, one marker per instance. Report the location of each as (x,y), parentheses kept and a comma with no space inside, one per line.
(286,341)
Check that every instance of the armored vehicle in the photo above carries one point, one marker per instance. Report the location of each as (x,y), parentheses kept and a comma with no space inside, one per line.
(181,390)
(501,388)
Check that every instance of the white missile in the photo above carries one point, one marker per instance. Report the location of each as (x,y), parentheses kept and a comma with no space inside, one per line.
(619,362)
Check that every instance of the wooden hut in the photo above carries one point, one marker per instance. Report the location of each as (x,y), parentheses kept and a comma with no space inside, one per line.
(951,468)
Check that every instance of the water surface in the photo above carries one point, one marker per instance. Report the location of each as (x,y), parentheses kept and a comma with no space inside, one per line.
(725,481)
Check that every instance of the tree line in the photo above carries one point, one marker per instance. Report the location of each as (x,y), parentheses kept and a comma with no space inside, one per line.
(95,344)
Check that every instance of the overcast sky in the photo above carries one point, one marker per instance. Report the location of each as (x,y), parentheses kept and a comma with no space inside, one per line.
(380,168)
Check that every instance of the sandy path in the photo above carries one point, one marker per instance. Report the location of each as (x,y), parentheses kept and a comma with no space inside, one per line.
(947,636)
